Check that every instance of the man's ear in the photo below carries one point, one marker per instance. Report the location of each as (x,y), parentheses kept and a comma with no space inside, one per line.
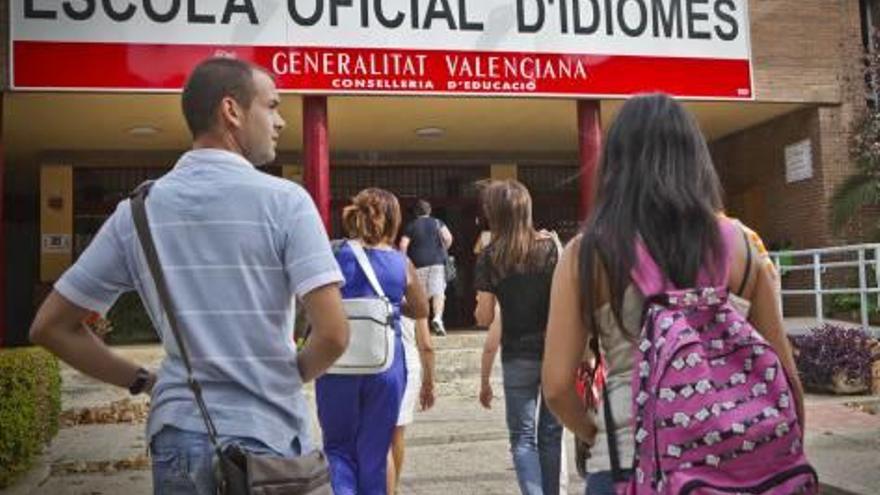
(231,113)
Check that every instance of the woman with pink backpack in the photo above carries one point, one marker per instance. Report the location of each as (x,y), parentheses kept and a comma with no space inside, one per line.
(701,392)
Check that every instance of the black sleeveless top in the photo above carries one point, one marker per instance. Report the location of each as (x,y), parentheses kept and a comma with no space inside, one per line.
(524,297)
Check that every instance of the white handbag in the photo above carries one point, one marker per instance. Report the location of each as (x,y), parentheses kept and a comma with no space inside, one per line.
(370,321)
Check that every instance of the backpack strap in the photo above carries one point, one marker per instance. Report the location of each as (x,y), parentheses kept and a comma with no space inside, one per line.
(166,303)
(649,278)
(361,256)
(748,270)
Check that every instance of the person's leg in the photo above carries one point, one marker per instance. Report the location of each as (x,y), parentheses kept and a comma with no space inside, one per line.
(391,475)
(338,398)
(549,449)
(521,382)
(396,456)
(438,305)
(437,292)
(182,463)
(380,408)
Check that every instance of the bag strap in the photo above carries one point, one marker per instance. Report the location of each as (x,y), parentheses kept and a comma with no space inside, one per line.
(142,225)
(742,285)
(610,427)
(361,256)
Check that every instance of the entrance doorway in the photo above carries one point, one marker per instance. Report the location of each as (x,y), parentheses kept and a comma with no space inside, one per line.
(453,196)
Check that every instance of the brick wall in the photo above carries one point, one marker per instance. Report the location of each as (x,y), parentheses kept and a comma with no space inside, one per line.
(803,50)
(797,45)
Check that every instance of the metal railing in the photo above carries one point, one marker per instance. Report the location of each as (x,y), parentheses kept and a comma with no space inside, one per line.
(820,262)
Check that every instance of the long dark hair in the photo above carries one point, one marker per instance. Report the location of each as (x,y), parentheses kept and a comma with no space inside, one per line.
(507,205)
(656,180)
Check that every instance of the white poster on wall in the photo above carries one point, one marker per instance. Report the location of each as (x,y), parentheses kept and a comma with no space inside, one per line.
(798,161)
(56,243)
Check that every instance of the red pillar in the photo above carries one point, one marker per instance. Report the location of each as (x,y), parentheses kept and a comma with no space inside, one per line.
(316,154)
(589,147)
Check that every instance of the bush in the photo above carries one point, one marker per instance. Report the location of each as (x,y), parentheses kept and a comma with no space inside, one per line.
(30,402)
(130,322)
(844,303)
(833,356)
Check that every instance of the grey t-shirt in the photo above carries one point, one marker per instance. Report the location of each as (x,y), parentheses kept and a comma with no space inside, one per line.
(236,246)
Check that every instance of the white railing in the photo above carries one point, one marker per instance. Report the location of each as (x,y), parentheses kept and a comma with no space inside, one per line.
(820,262)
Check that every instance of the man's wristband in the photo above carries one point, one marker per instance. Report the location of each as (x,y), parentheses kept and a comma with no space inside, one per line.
(141,379)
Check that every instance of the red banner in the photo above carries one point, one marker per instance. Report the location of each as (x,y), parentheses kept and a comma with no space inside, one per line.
(42,65)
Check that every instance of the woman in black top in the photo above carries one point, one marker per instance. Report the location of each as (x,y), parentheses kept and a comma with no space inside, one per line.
(516,270)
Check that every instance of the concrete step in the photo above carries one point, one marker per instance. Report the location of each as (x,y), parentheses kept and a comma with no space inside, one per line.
(460,339)
(460,364)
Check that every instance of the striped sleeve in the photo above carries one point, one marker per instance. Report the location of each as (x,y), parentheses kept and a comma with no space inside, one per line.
(309,261)
(100,274)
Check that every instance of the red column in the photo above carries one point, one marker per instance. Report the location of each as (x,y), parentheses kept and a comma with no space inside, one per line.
(589,146)
(316,154)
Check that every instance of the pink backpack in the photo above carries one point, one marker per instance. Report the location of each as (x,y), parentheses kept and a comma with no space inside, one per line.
(713,409)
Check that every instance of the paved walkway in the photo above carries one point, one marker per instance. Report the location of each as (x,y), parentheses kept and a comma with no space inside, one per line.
(455,448)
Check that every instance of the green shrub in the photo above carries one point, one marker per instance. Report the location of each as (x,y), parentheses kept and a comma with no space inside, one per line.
(131,325)
(843,303)
(30,402)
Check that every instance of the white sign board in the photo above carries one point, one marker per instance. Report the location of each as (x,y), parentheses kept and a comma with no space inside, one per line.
(56,243)
(798,161)
(688,48)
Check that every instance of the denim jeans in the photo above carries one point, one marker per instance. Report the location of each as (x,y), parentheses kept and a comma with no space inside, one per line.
(535,434)
(183,460)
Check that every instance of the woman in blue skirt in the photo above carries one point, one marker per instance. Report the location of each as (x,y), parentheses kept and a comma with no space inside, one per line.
(358,412)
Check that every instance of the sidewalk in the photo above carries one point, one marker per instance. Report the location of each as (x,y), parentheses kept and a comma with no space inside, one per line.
(458,447)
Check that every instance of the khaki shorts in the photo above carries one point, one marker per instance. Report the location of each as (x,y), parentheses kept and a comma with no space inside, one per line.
(433,279)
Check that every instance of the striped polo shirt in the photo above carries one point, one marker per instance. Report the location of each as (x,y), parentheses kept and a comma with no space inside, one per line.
(236,245)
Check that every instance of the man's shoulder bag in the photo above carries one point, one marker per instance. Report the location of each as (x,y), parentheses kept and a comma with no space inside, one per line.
(237,471)
(370,321)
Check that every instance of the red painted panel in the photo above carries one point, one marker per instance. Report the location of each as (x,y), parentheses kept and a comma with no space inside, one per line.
(156,67)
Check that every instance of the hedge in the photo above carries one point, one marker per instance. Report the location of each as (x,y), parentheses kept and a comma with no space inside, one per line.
(30,402)
(130,322)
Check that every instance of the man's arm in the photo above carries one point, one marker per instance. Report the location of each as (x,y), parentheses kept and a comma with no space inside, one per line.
(329,336)
(58,328)
(445,237)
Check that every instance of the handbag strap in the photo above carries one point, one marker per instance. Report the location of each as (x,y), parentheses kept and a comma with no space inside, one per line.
(361,256)
(142,225)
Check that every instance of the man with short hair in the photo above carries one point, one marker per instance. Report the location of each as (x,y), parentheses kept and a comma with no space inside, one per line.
(236,245)
(426,240)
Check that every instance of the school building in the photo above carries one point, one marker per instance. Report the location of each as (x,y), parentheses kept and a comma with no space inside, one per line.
(421,97)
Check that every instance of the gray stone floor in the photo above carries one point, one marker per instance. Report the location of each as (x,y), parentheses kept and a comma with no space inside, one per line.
(456,448)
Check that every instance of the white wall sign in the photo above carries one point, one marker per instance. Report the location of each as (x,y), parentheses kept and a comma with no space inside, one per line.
(798,161)
(56,243)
